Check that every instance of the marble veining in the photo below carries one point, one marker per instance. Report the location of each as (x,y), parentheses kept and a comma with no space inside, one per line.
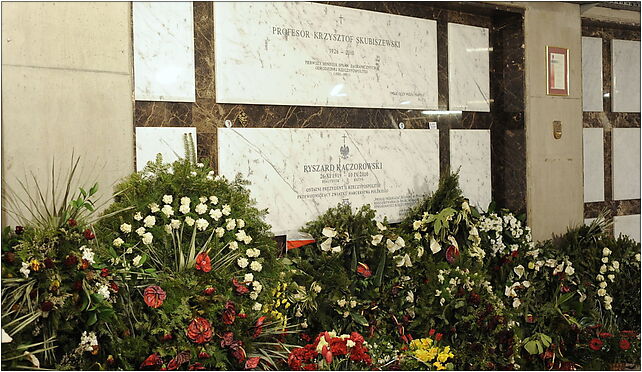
(470,155)
(163,51)
(593,139)
(627,225)
(297,174)
(309,54)
(592,73)
(167,141)
(468,68)
(626,163)
(625,55)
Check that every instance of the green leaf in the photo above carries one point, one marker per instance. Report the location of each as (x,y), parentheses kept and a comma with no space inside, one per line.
(93,318)
(360,319)
(545,339)
(83,192)
(531,347)
(93,189)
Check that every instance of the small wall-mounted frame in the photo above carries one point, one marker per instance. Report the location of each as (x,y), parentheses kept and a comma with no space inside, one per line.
(557,71)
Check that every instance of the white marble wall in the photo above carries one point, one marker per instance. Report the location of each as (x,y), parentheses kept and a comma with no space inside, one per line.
(468,68)
(626,163)
(625,57)
(168,141)
(627,225)
(470,154)
(592,99)
(593,164)
(164,51)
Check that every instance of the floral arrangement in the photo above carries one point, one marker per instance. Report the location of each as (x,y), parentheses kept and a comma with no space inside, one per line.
(330,351)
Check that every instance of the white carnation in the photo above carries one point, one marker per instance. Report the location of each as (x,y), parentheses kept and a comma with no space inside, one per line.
(154,208)
(216,214)
(185,200)
(234,246)
(149,221)
(168,199)
(230,224)
(201,208)
(256,266)
(167,210)
(175,224)
(226,210)
(118,242)
(189,221)
(138,216)
(184,208)
(220,232)
(147,238)
(213,200)
(202,224)
(126,228)
(242,262)
(257,306)
(140,231)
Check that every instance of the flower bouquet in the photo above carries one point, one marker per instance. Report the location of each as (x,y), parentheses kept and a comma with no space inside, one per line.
(330,351)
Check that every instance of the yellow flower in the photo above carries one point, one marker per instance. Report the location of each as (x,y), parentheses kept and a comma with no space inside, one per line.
(423,355)
(426,342)
(432,352)
(439,366)
(415,344)
(35,265)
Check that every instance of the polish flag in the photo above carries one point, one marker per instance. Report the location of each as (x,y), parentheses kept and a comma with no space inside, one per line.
(298,239)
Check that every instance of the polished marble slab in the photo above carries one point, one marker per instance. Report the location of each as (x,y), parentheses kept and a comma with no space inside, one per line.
(592,98)
(168,141)
(593,139)
(626,163)
(297,174)
(310,54)
(468,68)
(163,51)
(627,225)
(470,155)
(625,56)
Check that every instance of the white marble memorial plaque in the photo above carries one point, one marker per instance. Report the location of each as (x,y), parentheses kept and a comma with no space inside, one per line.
(299,53)
(626,163)
(163,51)
(468,68)
(625,57)
(470,155)
(593,164)
(627,225)
(297,174)
(168,141)
(592,73)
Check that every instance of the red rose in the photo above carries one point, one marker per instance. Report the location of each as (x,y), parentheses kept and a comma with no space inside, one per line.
(71,222)
(88,234)
(20,230)
(199,330)
(625,344)
(71,260)
(203,262)
(152,360)
(596,344)
(364,270)
(252,363)
(229,313)
(154,296)
(114,287)
(240,288)
(46,306)
(49,264)
(209,291)
(104,272)
(452,254)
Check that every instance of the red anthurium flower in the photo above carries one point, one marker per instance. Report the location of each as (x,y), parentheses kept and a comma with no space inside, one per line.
(596,344)
(240,288)
(203,262)
(227,339)
(242,315)
(152,360)
(199,330)
(180,359)
(237,351)
(327,354)
(229,313)
(154,296)
(625,344)
(209,291)
(364,270)
(88,234)
(252,363)
(452,254)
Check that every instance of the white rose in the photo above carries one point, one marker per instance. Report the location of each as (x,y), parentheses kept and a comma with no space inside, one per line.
(605,259)
(329,232)
(242,262)
(200,208)
(168,199)
(220,232)
(234,246)
(147,238)
(153,208)
(149,221)
(216,214)
(256,266)
(608,299)
(606,252)
(140,231)
(185,200)
(599,277)
(519,271)
(213,200)
(167,210)
(184,208)
(603,284)
(126,228)
(603,269)
(611,277)
(118,242)
(189,221)
(226,210)
(202,224)
(376,239)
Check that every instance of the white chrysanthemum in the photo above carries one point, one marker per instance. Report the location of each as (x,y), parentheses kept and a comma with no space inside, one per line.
(87,254)
(175,224)
(242,262)
(216,214)
(249,277)
(213,200)
(234,245)
(256,266)
(202,224)
(185,200)
(226,210)
(189,221)
(168,199)
(149,221)
(147,238)
(257,306)
(138,216)
(24,270)
(200,208)
(136,260)
(240,223)
(230,224)
(118,242)
(167,210)
(126,228)
(329,232)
